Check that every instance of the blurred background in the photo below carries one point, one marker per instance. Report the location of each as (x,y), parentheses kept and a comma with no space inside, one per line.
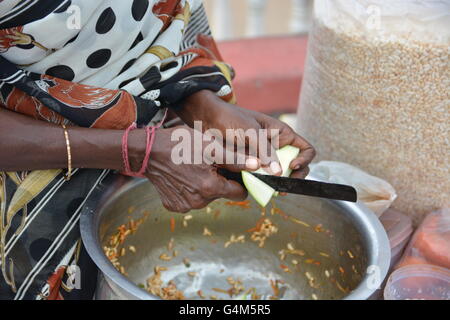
(231,19)
(265,41)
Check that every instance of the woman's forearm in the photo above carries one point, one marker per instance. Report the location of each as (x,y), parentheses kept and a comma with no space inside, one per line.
(29,144)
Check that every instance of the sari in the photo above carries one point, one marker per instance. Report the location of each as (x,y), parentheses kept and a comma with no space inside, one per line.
(97,64)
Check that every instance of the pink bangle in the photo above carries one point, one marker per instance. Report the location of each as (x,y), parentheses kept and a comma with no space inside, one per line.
(150,131)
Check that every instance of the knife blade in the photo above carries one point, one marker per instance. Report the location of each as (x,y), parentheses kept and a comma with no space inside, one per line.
(300,186)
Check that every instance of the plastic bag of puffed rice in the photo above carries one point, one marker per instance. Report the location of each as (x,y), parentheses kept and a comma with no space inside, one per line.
(374,192)
(375,94)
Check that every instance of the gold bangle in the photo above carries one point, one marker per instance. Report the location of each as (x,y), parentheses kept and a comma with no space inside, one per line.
(68,175)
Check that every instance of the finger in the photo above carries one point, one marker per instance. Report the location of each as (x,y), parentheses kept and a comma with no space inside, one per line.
(232,190)
(307,153)
(300,174)
(251,164)
(268,157)
(238,161)
(259,145)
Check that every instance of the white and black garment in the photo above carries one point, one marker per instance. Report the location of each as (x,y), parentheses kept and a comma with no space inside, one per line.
(97,64)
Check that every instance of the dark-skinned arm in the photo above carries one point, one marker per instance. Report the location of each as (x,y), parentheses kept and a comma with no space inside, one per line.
(29,144)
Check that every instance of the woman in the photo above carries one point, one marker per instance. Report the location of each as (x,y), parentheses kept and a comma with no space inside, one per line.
(74,76)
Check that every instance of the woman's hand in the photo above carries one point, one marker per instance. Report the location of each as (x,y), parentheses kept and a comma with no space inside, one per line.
(183,187)
(205,106)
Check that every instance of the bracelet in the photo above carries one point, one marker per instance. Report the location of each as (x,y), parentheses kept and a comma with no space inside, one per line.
(150,133)
(68,175)
(127,168)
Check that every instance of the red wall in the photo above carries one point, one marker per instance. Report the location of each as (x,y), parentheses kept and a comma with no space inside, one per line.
(268,71)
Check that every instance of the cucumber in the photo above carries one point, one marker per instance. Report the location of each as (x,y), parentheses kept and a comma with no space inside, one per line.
(290,119)
(259,190)
(286,155)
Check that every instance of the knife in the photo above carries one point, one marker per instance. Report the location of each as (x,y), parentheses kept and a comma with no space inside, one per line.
(300,186)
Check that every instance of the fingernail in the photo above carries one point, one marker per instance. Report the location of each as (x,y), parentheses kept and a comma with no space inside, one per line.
(297,167)
(275,167)
(252,164)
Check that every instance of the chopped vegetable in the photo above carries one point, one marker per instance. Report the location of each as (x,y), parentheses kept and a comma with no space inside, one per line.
(171,244)
(319,228)
(285,268)
(266,229)
(156,287)
(234,239)
(165,257)
(350,254)
(259,190)
(206,232)
(243,204)
(299,222)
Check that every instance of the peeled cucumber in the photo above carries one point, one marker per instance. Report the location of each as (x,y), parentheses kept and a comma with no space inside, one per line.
(259,190)
(286,155)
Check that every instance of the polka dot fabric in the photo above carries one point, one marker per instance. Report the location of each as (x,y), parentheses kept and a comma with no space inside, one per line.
(130,47)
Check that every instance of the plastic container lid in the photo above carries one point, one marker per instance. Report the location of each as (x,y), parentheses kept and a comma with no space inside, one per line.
(418,282)
(398,226)
(396,252)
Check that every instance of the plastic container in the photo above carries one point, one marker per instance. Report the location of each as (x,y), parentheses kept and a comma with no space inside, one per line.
(418,282)
(431,242)
(398,227)
(397,252)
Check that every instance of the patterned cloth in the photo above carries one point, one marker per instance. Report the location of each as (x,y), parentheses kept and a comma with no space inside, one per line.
(91,63)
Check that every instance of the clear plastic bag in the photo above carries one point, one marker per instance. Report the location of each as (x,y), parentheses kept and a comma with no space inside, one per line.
(375,94)
(374,192)
(431,242)
(410,20)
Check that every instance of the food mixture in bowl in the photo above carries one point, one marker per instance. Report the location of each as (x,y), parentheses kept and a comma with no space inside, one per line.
(236,250)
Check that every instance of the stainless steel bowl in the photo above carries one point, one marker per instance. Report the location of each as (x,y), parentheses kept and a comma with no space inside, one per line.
(347,251)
